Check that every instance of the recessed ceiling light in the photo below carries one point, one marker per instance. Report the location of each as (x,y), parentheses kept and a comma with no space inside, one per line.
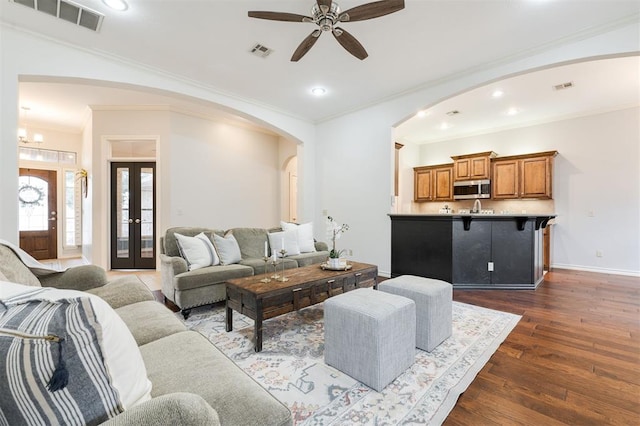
(445,126)
(512,111)
(318,91)
(497,93)
(116,4)
(422,114)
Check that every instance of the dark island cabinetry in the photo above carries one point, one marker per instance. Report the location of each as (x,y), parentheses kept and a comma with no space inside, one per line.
(421,247)
(470,251)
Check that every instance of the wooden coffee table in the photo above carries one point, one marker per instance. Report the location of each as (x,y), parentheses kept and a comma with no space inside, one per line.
(306,286)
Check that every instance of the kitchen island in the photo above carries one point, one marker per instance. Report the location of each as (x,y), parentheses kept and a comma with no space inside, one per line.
(475,251)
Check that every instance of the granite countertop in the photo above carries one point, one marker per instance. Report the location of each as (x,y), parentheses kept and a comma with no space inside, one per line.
(475,215)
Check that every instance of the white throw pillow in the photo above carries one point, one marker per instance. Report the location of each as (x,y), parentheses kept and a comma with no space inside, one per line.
(290,240)
(306,243)
(123,365)
(198,251)
(228,249)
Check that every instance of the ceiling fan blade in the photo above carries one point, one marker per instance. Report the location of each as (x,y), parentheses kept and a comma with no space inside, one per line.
(371,10)
(324,5)
(350,43)
(306,44)
(280,16)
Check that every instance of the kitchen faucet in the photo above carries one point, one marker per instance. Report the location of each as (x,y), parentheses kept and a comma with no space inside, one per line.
(477,206)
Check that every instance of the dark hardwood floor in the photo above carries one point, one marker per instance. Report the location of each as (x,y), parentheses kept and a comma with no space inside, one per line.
(573,359)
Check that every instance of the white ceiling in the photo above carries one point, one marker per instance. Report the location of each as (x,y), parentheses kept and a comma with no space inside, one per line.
(209,41)
(597,86)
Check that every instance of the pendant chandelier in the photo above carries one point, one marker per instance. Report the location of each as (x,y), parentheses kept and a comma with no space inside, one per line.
(23,136)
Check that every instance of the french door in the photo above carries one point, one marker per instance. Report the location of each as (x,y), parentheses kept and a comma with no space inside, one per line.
(38,220)
(133,200)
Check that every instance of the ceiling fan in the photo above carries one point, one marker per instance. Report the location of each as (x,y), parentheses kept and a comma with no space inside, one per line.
(326,14)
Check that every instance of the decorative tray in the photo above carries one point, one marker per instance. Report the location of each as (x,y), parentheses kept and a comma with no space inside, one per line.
(341,268)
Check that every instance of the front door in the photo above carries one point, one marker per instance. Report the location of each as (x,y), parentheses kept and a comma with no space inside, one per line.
(133,199)
(38,221)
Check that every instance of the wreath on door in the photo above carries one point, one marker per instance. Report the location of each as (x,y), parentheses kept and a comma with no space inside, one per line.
(30,196)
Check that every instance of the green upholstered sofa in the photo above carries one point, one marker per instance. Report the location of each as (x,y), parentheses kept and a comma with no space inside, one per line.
(188,289)
(192,381)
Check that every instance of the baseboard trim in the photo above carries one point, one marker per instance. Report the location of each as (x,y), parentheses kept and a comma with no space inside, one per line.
(386,274)
(596,269)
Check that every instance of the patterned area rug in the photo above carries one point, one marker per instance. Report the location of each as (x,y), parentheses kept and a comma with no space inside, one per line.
(291,366)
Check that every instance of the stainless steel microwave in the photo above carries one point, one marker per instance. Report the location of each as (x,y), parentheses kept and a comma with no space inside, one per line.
(471,189)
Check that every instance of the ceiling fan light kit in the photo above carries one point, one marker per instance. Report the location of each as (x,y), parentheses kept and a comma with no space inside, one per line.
(326,14)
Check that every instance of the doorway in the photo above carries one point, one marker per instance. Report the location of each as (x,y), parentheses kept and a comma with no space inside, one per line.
(133,217)
(38,220)
(290,203)
(293,197)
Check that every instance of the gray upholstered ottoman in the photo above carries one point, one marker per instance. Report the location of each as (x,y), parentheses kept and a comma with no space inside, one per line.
(370,335)
(433,306)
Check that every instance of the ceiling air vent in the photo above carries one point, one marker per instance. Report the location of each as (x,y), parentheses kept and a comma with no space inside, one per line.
(452,113)
(261,50)
(67,11)
(563,86)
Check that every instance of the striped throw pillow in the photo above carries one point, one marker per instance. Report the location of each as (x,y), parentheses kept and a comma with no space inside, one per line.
(58,360)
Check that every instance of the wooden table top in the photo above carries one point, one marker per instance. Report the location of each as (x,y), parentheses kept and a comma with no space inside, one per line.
(296,276)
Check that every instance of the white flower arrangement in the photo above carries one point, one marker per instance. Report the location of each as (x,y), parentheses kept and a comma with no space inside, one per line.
(333,233)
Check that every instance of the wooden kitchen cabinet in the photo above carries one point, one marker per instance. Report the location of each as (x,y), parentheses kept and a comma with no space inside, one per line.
(433,183)
(473,166)
(422,184)
(504,184)
(523,176)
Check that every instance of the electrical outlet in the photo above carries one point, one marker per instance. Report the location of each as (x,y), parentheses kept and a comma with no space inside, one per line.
(598,253)
(490,266)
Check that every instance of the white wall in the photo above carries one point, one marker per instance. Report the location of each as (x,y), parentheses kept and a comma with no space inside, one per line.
(222,176)
(597,170)
(87,205)
(409,158)
(208,173)
(355,182)
(354,152)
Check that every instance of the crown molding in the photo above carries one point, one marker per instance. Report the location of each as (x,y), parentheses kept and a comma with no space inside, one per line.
(218,116)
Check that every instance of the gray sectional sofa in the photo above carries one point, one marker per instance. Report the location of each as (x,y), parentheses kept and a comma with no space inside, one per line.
(192,381)
(188,289)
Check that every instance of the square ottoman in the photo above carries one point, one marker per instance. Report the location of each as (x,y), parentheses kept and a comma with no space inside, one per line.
(433,306)
(370,335)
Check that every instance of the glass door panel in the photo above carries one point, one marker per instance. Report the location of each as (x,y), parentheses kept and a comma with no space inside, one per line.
(147,204)
(122,213)
(33,196)
(133,216)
